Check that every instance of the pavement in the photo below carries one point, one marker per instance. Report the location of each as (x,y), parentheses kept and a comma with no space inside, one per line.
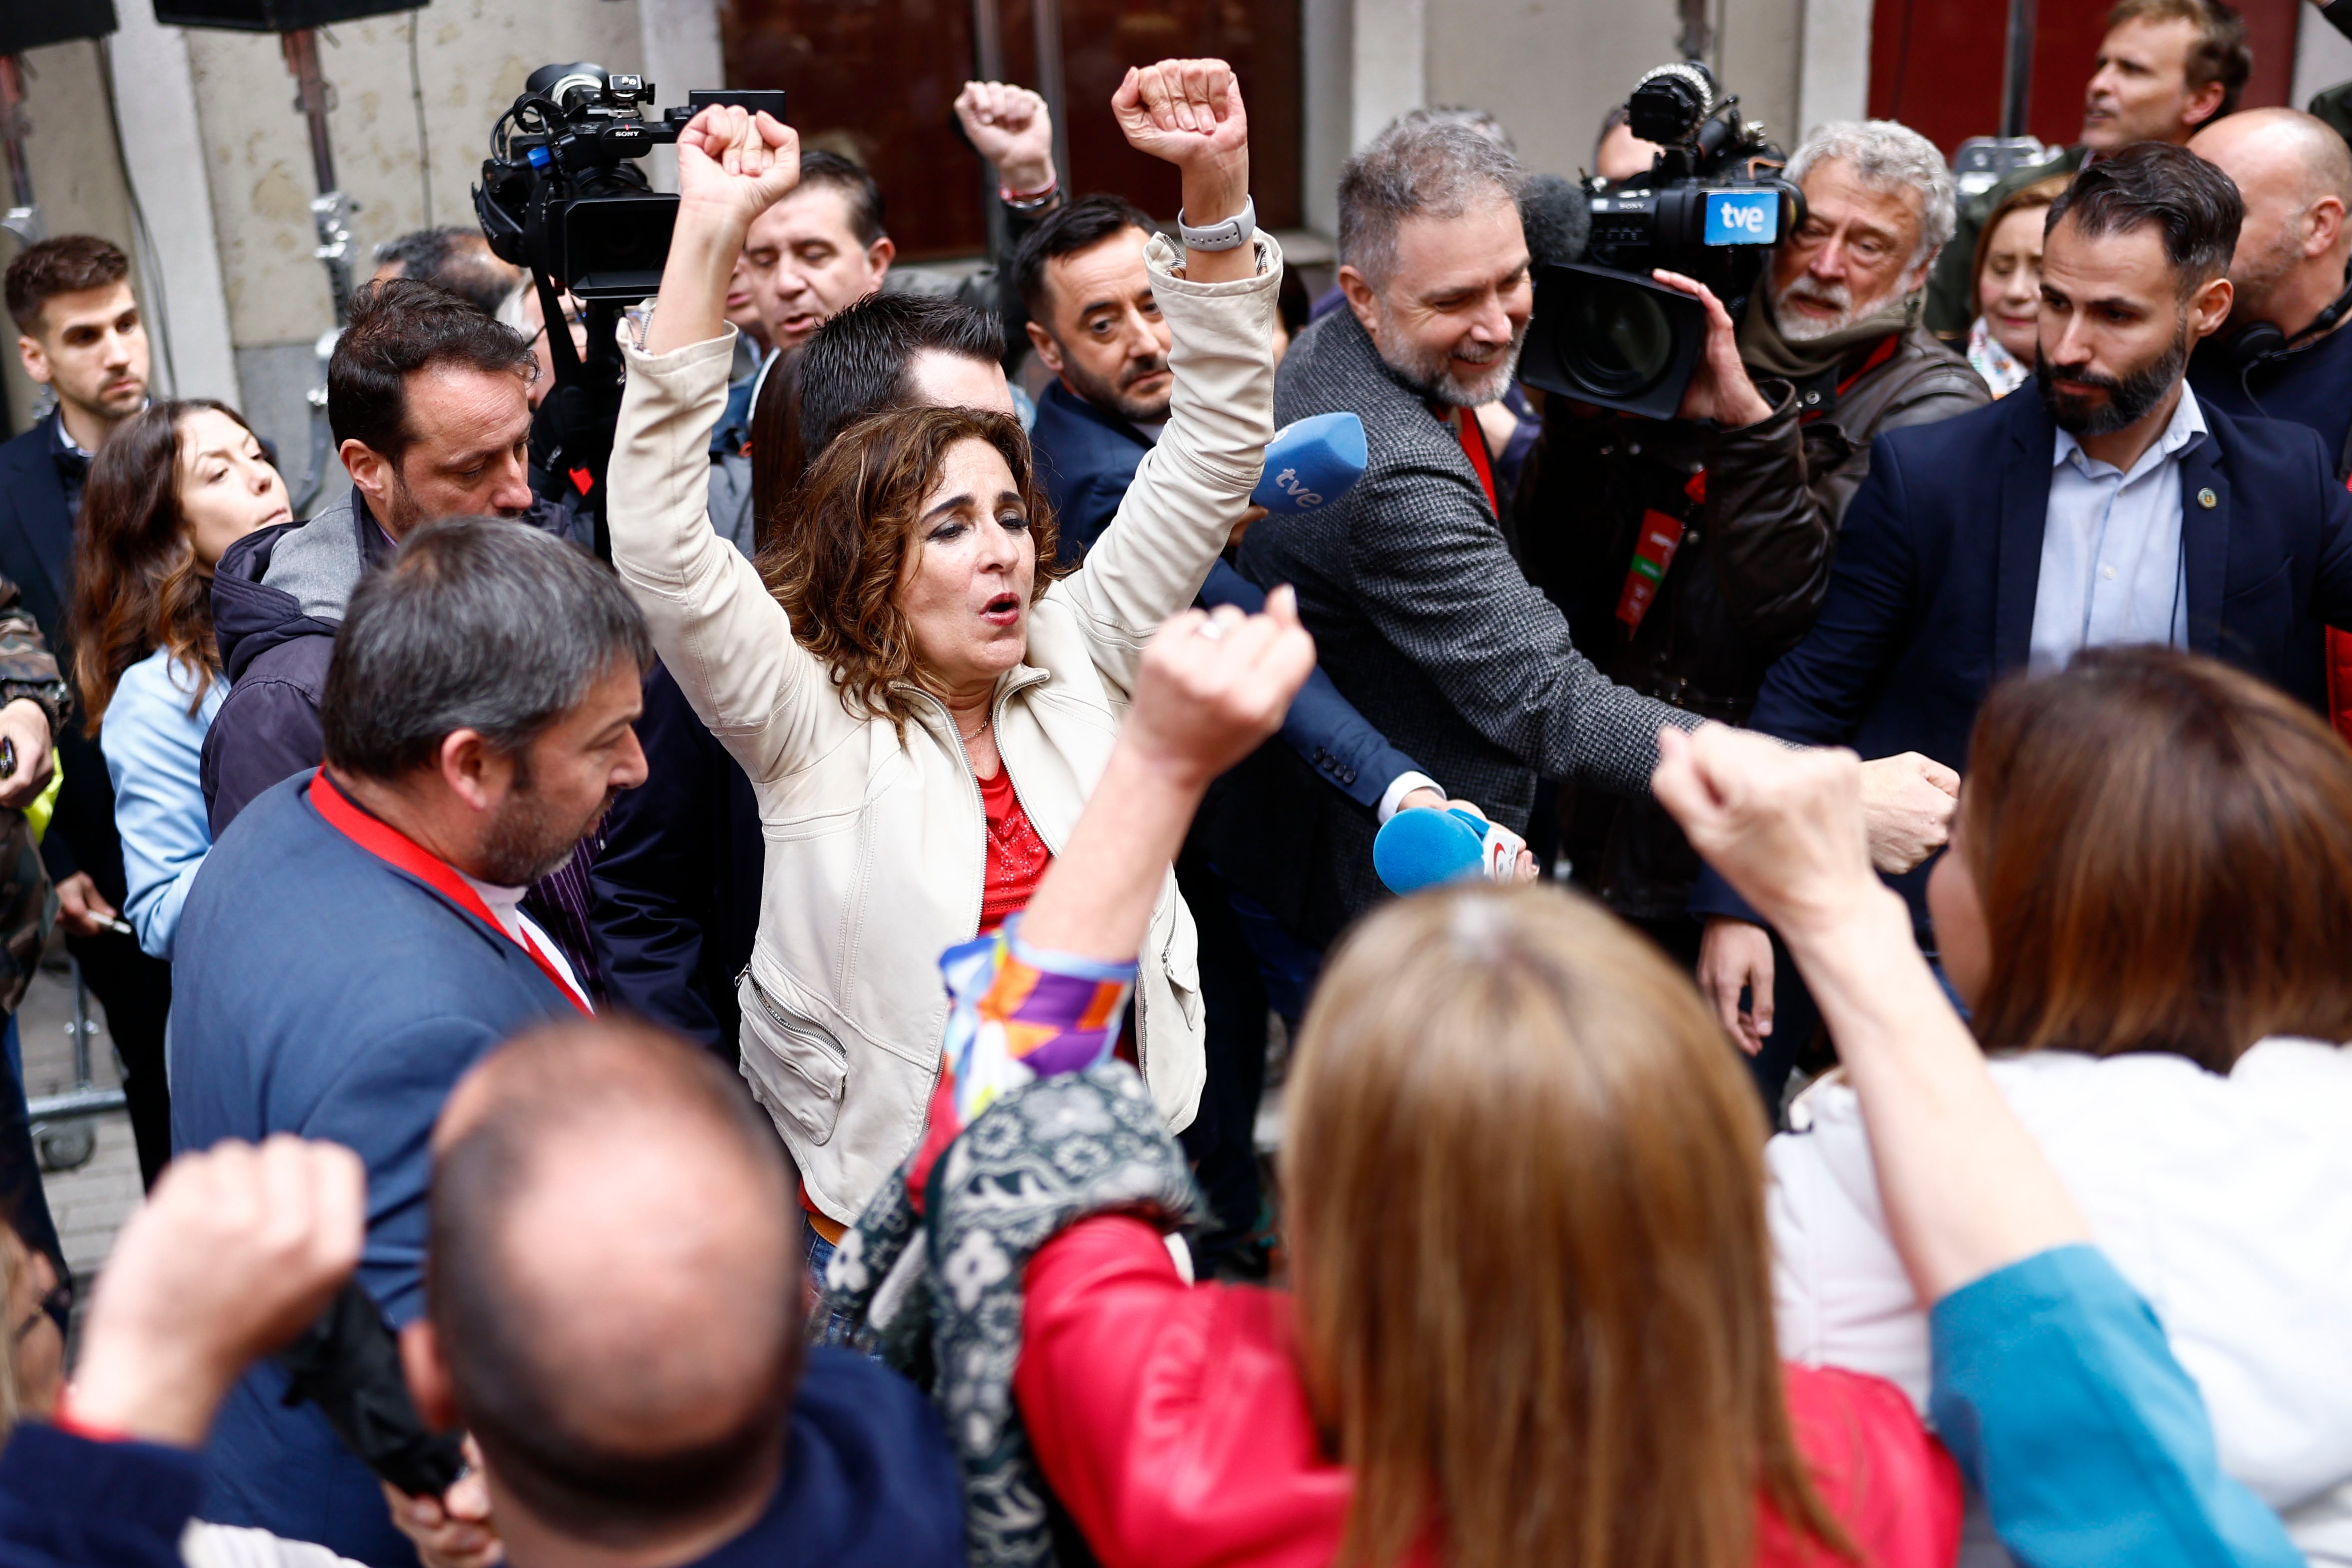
(90,1202)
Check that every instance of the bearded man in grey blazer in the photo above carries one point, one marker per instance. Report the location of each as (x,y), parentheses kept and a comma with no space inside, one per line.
(1420,613)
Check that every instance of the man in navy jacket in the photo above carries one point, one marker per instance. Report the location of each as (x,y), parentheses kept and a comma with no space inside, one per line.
(2111,508)
(357,941)
(615,1317)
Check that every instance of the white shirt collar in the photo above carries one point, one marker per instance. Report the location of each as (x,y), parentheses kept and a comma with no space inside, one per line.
(2185,429)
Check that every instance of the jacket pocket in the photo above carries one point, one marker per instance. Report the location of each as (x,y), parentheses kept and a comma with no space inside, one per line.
(797,1070)
(2258,623)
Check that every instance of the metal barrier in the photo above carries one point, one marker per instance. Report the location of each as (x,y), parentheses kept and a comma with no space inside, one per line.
(61,1134)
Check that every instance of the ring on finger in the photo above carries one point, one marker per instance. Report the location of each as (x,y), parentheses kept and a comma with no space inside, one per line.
(1212,630)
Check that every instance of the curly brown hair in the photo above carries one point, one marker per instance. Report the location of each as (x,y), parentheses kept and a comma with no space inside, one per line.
(138,584)
(835,555)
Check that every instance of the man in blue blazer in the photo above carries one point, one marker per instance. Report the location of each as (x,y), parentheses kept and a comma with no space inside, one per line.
(356,939)
(2108,506)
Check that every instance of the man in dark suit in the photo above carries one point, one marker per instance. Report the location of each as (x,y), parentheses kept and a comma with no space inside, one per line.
(2111,508)
(81,335)
(357,939)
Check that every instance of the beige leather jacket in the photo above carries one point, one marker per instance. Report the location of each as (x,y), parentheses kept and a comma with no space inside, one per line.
(875,848)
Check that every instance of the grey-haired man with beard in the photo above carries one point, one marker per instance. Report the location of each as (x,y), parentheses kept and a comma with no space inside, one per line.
(1689,554)
(1421,613)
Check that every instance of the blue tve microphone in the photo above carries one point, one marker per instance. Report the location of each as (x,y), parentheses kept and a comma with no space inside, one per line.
(1417,849)
(1310,463)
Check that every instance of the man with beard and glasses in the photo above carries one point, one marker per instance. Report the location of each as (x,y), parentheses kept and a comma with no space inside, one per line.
(356,940)
(1422,616)
(2114,507)
(1689,554)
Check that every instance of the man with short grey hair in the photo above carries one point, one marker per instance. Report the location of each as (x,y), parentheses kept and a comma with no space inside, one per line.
(1691,554)
(1422,613)
(356,939)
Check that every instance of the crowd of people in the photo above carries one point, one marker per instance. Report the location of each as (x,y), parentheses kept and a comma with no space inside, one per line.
(772,1029)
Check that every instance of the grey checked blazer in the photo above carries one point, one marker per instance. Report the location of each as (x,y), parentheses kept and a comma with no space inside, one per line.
(1425,621)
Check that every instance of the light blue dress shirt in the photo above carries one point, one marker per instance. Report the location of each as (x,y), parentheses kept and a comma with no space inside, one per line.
(153,747)
(2111,564)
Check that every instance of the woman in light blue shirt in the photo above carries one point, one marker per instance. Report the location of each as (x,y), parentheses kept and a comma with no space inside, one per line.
(171,491)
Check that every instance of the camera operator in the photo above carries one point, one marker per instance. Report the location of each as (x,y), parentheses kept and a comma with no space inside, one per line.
(1774,438)
(2164,68)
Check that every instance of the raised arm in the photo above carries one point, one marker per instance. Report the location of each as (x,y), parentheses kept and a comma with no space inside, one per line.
(2053,1381)
(1046,996)
(1195,484)
(719,630)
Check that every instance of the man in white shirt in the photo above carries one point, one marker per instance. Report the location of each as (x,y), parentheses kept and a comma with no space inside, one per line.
(2110,507)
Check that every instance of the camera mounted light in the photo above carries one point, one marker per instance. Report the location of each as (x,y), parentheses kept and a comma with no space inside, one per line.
(571,88)
(1670,103)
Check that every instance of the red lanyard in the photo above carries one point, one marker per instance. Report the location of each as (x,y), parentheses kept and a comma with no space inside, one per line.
(402,852)
(1661,535)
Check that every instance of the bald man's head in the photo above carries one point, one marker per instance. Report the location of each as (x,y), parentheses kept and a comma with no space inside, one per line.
(2295,173)
(612,1281)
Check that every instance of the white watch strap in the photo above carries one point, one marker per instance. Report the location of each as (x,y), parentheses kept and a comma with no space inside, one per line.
(1231,234)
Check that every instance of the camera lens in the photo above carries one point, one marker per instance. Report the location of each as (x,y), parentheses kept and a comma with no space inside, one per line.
(1616,338)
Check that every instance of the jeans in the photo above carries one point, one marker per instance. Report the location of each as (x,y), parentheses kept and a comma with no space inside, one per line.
(826,1326)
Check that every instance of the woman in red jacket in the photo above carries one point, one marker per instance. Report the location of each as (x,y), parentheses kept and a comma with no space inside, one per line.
(1531,1321)
(1532,1315)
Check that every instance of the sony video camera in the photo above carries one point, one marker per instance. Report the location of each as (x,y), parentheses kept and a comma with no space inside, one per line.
(561,195)
(1711,207)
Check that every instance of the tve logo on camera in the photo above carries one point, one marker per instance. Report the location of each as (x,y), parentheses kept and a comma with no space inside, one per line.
(1742,218)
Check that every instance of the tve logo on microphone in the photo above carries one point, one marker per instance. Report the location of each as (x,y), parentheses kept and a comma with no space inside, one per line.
(1288,483)
(1311,462)
(1742,218)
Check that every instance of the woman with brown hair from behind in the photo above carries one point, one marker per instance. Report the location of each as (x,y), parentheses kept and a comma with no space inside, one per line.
(1531,1317)
(1525,1183)
(2147,905)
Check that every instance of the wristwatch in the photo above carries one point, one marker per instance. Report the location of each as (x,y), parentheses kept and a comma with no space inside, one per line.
(1231,234)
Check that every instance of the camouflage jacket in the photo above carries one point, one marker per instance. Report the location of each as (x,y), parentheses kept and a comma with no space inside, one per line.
(28,903)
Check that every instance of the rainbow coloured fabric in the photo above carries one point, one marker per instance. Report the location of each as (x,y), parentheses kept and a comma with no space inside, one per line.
(1017,1014)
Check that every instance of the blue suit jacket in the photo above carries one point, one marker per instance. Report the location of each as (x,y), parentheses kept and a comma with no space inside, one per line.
(868,1482)
(322,992)
(1087,459)
(1939,558)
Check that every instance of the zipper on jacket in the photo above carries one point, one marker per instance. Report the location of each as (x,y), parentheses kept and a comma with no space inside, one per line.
(1004,761)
